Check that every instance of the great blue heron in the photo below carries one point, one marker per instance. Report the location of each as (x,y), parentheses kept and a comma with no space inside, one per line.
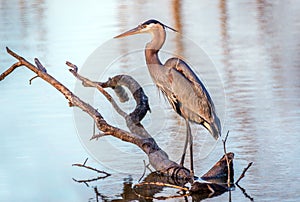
(184,91)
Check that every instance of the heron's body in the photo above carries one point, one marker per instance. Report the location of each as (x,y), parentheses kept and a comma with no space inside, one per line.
(183,89)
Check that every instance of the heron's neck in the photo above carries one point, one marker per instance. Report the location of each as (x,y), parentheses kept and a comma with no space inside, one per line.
(152,48)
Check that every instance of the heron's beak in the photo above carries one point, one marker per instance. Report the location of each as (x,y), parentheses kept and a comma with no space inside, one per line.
(133,31)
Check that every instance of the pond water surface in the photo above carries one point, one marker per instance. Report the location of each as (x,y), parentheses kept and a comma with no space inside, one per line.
(255,49)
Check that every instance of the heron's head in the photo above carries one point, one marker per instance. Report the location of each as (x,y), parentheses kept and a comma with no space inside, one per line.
(149,26)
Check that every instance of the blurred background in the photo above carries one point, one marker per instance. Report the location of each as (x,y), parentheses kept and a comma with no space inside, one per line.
(255,48)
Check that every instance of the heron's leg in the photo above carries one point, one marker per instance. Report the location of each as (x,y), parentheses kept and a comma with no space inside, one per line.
(189,134)
(185,146)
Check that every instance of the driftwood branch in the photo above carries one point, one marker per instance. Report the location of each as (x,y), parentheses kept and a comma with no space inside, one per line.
(157,157)
(138,134)
(117,83)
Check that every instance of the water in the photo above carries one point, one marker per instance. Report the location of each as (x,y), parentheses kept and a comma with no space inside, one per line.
(254,45)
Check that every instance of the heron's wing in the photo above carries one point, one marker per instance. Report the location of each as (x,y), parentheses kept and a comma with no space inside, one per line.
(189,94)
(187,72)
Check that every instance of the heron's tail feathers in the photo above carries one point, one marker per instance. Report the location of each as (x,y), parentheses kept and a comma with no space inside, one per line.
(214,128)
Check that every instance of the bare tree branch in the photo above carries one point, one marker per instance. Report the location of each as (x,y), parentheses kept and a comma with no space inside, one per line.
(157,157)
(227,160)
(10,70)
(244,172)
(117,83)
(137,135)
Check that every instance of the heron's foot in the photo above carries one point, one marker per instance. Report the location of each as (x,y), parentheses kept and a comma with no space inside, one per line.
(193,177)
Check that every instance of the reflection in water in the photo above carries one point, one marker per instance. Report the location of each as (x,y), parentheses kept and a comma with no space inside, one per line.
(254,44)
(156,186)
(177,15)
